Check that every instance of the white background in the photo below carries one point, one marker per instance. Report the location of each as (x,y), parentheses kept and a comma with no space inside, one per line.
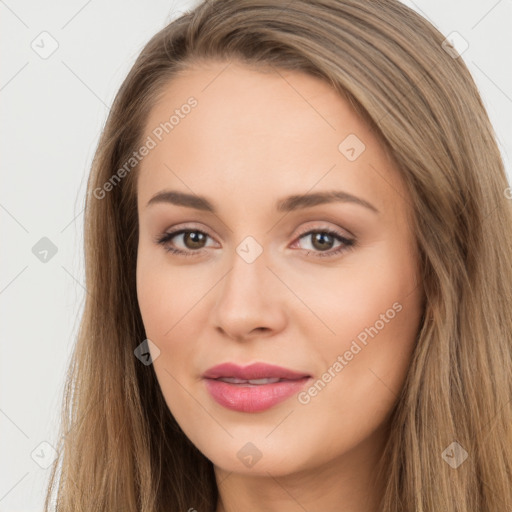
(52,113)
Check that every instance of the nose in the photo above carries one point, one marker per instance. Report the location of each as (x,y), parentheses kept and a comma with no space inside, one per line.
(250,300)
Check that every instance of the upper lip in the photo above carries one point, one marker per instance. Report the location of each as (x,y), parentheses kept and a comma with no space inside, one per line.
(253,371)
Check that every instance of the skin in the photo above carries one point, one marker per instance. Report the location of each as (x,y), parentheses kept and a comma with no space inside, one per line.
(254,138)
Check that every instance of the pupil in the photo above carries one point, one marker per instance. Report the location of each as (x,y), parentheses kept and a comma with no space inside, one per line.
(195,237)
(320,237)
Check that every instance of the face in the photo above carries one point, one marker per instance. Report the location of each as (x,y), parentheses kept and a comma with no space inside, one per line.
(325,286)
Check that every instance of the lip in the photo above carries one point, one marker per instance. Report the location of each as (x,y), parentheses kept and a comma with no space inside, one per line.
(253,371)
(246,397)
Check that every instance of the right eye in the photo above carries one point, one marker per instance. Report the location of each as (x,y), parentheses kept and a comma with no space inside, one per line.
(192,237)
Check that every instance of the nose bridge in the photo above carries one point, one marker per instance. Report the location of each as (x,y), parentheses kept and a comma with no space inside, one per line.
(249,273)
(249,297)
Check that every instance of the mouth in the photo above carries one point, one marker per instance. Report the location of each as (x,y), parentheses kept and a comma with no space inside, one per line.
(256,373)
(254,382)
(253,388)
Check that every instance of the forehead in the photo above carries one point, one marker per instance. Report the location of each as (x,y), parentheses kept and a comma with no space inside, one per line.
(260,134)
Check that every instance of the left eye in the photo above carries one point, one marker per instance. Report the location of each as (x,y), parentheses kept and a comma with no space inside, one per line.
(194,240)
(322,240)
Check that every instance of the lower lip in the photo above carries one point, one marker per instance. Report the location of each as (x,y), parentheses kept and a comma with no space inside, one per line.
(255,398)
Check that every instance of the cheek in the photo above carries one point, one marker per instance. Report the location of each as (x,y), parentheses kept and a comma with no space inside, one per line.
(373,293)
(172,304)
(364,364)
(165,293)
(166,302)
(370,312)
(153,297)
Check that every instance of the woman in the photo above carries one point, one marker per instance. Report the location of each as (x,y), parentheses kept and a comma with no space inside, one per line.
(228,359)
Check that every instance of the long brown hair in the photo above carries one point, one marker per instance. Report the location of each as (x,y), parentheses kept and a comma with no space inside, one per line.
(120,447)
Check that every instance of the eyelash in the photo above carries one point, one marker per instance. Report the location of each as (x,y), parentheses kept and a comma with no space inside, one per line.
(347,244)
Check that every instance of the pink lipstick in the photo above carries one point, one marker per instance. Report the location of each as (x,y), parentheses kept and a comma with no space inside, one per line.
(252,388)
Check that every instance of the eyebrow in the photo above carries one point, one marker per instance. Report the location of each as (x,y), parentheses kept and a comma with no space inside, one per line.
(287,204)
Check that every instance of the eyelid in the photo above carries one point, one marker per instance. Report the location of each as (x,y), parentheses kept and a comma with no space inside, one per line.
(178,230)
(347,242)
(304,230)
(187,226)
(324,226)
